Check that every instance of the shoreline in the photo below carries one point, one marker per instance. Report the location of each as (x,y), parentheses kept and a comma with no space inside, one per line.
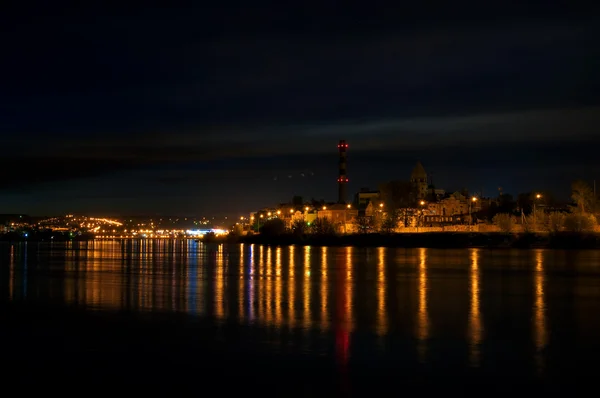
(440,240)
(432,240)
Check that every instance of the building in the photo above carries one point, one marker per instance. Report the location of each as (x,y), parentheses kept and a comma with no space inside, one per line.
(419,182)
(364,196)
(344,216)
(403,194)
(397,195)
(452,209)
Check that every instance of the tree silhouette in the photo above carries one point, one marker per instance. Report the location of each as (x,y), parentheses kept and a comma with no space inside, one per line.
(299,227)
(273,227)
(323,226)
(364,224)
(583,196)
(389,223)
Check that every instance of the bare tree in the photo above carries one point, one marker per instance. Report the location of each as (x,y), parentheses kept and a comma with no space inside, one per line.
(556,221)
(536,221)
(580,222)
(583,195)
(506,222)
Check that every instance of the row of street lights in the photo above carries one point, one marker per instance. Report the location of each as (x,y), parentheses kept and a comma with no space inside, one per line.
(422,203)
(278,213)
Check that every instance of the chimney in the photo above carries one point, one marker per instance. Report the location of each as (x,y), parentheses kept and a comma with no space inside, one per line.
(343,177)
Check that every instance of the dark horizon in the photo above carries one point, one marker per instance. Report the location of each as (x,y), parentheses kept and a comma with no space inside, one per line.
(226,109)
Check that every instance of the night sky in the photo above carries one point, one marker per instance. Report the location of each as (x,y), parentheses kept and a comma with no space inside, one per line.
(213,111)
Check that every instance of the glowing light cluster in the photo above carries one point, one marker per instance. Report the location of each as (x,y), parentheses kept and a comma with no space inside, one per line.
(107,221)
(202,232)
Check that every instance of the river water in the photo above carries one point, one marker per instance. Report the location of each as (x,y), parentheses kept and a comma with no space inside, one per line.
(299,320)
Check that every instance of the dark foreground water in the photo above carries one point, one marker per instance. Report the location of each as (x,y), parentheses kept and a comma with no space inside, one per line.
(185,317)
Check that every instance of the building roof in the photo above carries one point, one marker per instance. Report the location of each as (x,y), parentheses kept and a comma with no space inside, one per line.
(418,172)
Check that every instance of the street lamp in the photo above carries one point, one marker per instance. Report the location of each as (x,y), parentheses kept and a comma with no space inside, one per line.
(348,206)
(537,197)
(472,202)
(420,220)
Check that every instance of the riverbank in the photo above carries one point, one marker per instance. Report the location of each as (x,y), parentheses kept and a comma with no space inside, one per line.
(562,240)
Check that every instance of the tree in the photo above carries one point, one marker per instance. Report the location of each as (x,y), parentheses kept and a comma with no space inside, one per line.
(389,223)
(377,220)
(506,204)
(583,196)
(299,227)
(536,221)
(556,221)
(364,224)
(506,222)
(580,222)
(323,226)
(209,237)
(275,227)
(525,202)
(237,230)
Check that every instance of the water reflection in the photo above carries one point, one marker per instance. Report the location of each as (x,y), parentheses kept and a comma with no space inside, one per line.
(291,289)
(381,292)
(220,284)
(324,290)
(306,289)
(241,283)
(251,282)
(266,286)
(539,319)
(278,297)
(422,316)
(11,273)
(340,292)
(343,318)
(349,291)
(475,328)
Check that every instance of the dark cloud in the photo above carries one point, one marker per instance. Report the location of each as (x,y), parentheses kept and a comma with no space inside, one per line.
(528,139)
(129,75)
(112,104)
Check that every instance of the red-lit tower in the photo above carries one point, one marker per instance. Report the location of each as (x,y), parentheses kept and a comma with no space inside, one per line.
(343,177)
